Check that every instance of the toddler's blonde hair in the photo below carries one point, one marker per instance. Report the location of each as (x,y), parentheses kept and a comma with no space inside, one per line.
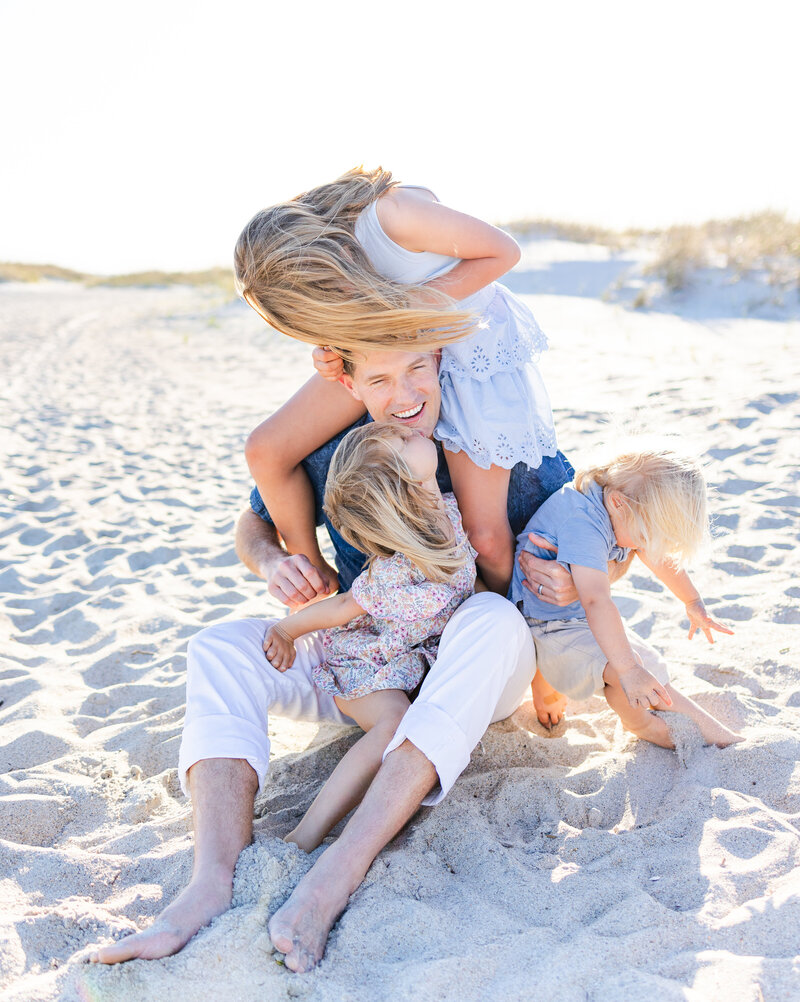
(376,505)
(299,265)
(665,494)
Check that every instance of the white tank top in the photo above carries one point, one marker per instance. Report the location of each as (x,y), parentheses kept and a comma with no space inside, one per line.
(393,261)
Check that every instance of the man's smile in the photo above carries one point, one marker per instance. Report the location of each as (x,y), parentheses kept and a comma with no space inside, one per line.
(412,412)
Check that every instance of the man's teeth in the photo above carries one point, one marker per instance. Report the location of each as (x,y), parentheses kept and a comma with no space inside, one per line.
(412,413)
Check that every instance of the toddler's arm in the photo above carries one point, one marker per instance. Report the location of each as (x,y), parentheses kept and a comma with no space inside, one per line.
(680,584)
(605,622)
(279,639)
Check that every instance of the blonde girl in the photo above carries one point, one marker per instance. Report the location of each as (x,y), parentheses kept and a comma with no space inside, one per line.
(648,499)
(383,634)
(366,264)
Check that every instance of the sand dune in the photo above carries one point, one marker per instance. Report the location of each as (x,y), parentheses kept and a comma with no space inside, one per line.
(575,865)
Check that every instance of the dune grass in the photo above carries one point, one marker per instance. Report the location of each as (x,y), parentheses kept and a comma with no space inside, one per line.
(221,278)
(764,242)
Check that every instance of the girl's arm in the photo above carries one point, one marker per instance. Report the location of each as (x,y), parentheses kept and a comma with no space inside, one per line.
(605,622)
(275,450)
(279,639)
(680,584)
(411,219)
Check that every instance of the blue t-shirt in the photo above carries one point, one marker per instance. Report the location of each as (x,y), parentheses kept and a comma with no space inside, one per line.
(527,489)
(579,525)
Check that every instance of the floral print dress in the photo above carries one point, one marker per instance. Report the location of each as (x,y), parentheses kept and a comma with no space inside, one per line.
(397,639)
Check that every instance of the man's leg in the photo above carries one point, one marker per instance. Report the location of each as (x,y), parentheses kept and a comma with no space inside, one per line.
(483,671)
(222,793)
(300,928)
(223,762)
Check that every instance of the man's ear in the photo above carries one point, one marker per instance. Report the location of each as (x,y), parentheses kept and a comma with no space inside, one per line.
(347,382)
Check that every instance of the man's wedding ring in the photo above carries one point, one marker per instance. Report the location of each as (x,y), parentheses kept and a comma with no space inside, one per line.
(540,589)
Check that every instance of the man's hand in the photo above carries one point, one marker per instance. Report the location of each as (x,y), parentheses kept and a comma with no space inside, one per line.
(327,363)
(279,648)
(699,620)
(295,581)
(547,579)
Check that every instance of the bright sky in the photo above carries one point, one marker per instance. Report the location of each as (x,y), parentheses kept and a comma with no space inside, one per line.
(146,134)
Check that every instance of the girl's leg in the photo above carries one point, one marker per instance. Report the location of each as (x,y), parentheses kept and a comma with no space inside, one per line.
(379,714)
(482,497)
(647,725)
(275,449)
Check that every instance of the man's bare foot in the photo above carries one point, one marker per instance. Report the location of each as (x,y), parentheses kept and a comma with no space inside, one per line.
(547,701)
(300,928)
(207,896)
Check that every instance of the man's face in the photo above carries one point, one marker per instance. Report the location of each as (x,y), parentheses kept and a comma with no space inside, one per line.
(399,386)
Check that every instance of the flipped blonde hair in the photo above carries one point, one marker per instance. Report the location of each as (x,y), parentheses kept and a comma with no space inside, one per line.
(376,505)
(299,265)
(665,495)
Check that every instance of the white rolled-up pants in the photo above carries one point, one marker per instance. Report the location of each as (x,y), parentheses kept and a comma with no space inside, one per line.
(483,670)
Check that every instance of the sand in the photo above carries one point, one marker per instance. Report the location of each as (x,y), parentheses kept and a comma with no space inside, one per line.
(576,865)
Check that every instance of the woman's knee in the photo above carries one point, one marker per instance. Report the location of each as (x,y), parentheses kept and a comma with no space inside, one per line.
(493,543)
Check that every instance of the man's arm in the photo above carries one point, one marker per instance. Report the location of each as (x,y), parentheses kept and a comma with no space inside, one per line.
(293,580)
(558,588)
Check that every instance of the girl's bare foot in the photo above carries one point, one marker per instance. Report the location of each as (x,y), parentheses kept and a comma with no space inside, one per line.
(207,896)
(547,701)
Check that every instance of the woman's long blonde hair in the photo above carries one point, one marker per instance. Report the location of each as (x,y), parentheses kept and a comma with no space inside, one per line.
(665,495)
(376,505)
(299,265)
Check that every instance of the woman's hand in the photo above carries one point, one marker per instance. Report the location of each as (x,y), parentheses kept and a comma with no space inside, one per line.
(279,648)
(699,620)
(327,363)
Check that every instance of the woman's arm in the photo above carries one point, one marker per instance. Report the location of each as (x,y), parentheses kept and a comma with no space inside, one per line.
(275,450)
(411,219)
(680,584)
(606,624)
(279,639)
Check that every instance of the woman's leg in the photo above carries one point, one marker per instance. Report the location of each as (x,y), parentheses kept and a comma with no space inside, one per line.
(379,715)
(647,725)
(275,449)
(482,497)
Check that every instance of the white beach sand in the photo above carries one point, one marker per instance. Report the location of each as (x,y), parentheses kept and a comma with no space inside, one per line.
(577,865)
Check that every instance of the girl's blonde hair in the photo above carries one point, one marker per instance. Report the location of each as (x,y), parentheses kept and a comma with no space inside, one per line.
(665,495)
(299,265)
(376,505)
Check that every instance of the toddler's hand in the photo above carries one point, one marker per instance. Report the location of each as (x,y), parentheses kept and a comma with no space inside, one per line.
(279,648)
(643,689)
(327,363)
(699,620)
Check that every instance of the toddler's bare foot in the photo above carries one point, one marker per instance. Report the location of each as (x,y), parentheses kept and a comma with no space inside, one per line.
(207,896)
(547,701)
(720,735)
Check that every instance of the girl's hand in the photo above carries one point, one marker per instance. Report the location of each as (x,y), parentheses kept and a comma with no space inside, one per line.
(279,648)
(327,363)
(643,689)
(699,620)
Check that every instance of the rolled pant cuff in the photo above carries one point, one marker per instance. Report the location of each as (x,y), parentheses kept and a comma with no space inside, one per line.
(440,740)
(223,736)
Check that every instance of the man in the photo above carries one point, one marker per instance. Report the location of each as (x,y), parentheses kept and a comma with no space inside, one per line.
(483,670)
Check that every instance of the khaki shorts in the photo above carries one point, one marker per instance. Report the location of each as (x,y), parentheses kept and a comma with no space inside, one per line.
(571,660)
